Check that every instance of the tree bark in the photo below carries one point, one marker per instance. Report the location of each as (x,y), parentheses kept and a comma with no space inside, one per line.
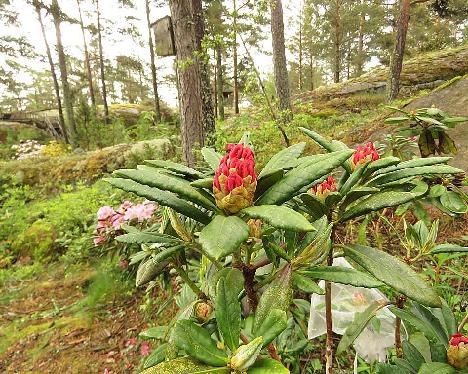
(101,65)
(157,107)
(300,47)
(205,85)
(63,129)
(234,58)
(337,42)
(279,59)
(219,81)
(396,62)
(190,97)
(311,66)
(360,59)
(86,56)
(67,98)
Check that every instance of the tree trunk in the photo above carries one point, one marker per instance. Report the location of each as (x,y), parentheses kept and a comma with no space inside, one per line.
(396,62)
(157,107)
(337,42)
(279,59)
(67,99)
(234,58)
(205,85)
(63,129)
(311,66)
(101,65)
(300,47)
(360,59)
(86,56)
(219,81)
(190,97)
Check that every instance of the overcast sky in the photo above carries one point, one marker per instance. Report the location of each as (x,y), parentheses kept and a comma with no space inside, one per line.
(115,44)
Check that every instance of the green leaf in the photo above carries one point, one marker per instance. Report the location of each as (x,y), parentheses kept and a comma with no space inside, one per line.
(168,183)
(430,120)
(381,163)
(197,343)
(223,235)
(245,356)
(448,248)
(342,275)
(278,295)
(417,162)
(353,179)
(157,356)
(162,197)
(436,368)
(228,312)
(453,202)
(147,237)
(175,167)
(274,324)
(412,172)
(306,285)
(394,273)
(279,216)
(414,357)
(184,365)
(332,146)
(287,187)
(427,316)
(375,202)
(268,366)
(266,182)
(437,190)
(361,320)
(282,159)
(156,332)
(148,270)
(416,322)
(212,157)
(203,183)
(315,206)
(446,144)
(394,120)
(404,365)
(449,319)
(390,369)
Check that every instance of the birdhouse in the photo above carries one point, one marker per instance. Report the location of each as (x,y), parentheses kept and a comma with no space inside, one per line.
(164,37)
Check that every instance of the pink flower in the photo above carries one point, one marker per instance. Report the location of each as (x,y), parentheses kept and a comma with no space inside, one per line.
(364,154)
(140,212)
(124,206)
(105,212)
(145,349)
(131,342)
(99,239)
(117,221)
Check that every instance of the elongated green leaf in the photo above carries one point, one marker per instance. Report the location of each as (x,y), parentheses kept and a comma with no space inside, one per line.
(197,343)
(286,188)
(414,357)
(228,312)
(168,183)
(279,216)
(268,366)
(267,181)
(211,157)
(391,369)
(148,270)
(306,284)
(394,273)
(162,197)
(157,356)
(375,202)
(185,365)
(173,166)
(453,202)
(339,274)
(403,364)
(396,119)
(282,159)
(436,368)
(147,237)
(416,322)
(316,208)
(412,172)
(427,316)
(353,179)
(274,324)
(223,235)
(449,319)
(361,320)
(448,248)
(418,162)
(203,183)
(381,163)
(330,146)
(156,332)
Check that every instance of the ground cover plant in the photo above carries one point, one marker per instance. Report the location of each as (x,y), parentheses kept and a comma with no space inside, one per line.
(256,240)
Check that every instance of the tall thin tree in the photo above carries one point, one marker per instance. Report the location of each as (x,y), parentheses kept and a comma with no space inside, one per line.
(101,64)
(67,97)
(89,74)
(157,107)
(234,57)
(188,77)
(279,59)
(38,6)
(337,40)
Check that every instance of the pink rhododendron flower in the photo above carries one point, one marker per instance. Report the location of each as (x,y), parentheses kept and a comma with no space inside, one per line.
(99,239)
(105,212)
(139,212)
(364,154)
(124,206)
(117,221)
(145,349)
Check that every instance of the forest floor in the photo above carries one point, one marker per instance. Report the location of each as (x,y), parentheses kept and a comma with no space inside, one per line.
(45,326)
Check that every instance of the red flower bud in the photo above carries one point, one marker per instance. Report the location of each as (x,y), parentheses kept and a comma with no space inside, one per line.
(456,339)
(322,190)
(364,154)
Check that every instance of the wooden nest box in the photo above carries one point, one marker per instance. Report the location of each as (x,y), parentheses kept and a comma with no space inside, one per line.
(164,37)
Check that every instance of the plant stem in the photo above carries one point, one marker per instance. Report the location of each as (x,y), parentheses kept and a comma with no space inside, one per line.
(200,294)
(273,353)
(399,303)
(463,323)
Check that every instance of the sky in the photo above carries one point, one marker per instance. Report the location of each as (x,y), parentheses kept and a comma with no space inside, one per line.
(116,45)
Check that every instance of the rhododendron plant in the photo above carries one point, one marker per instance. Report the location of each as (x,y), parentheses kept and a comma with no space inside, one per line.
(228,222)
(457,352)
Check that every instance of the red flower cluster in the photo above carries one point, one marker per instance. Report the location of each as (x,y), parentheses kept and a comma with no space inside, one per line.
(456,339)
(324,188)
(235,179)
(365,154)
(236,165)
